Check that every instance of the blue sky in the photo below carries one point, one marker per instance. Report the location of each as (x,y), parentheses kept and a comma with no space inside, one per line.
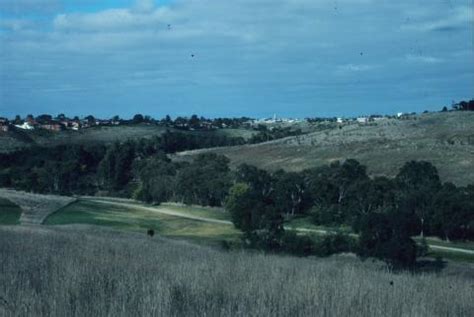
(295,58)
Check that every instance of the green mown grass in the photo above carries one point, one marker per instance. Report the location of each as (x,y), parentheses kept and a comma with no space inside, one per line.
(135,219)
(9,213)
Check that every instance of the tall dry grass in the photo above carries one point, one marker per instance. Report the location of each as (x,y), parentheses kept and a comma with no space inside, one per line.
(100,272)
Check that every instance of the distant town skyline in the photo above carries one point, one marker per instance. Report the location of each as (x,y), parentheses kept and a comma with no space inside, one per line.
(296,59)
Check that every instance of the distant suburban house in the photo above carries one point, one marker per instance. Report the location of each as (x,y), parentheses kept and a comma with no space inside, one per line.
(362,120)
(25,126)
(52,126)
(340,120)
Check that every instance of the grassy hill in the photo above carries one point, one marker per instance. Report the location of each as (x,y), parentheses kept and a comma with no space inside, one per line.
(19,139)
(90,271)
(445,139)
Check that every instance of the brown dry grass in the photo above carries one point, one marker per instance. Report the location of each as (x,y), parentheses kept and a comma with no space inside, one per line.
(99,272)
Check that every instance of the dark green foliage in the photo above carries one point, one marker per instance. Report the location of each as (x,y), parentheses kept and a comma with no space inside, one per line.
(115,170)
(298,245)
(339,192)
(304,245)
(291,194)
(138,118)
(156,178)
(465,105)
(205,182)
(387,236)
(417,183)
(334,243)
(254,209)
(453,213)
(62,170)
(328,215)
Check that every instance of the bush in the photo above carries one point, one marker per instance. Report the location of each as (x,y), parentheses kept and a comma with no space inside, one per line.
(298,245)
(334,243)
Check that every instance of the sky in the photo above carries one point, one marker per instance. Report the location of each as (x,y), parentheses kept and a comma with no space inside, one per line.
(229,58)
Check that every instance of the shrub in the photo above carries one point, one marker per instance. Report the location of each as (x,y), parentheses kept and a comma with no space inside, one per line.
(334,243)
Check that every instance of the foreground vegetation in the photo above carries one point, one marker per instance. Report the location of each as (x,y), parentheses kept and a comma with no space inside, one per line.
(9,213)
(90,272)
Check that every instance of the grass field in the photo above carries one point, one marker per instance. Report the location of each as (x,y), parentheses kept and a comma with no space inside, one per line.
(90,271)
(137,219)
(9,213)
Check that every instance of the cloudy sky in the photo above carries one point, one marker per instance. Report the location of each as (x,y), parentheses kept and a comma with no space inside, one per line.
(294,58)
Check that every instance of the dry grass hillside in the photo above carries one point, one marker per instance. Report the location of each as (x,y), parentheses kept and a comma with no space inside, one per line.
(445,139)
(87,271)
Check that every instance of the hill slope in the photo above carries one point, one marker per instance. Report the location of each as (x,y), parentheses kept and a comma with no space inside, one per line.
(445,139)
(19,139)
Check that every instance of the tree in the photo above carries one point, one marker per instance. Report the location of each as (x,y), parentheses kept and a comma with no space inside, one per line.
(115,170)
(205,181)
(453,213)
(138,118)
(156,178)
(417,182)
(290,192)
(369,196)
(258,180)
(388,237)
(256,216)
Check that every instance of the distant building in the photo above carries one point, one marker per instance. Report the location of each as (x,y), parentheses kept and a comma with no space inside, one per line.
(75,125)
(362,120)
(52,126)
(340,120)
(400,114)
(25,126)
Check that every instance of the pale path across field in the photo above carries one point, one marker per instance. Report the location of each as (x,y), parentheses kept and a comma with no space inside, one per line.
(169,212)
(35,208)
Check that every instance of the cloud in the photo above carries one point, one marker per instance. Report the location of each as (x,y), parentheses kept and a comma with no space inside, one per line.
(113,20)
(354,68)
(423,59)
(456,18)
(144,6)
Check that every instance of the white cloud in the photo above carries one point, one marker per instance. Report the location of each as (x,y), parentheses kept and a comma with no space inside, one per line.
(354,68)
(423,59)
(113,20)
